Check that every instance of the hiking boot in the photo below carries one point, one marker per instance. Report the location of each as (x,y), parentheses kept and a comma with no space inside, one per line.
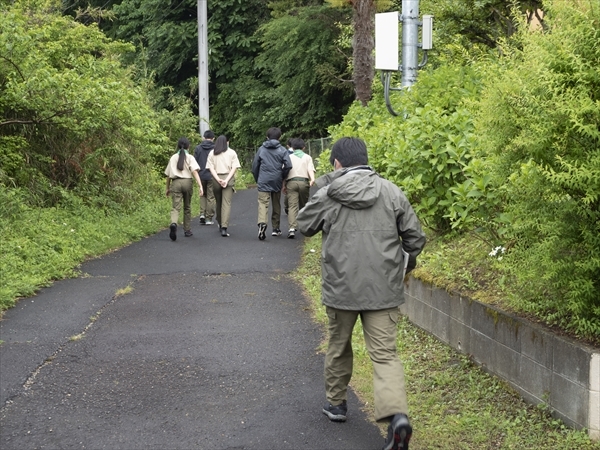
(202,220)
(276,232)
(262,229)
(173,232)
(291,233)
(188,233)
(336,413)
(224,232)
(399,433)
(209,222)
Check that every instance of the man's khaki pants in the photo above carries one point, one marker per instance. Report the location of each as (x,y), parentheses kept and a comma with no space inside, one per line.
(263,207)
(207,201)
(297,196)
(380,330)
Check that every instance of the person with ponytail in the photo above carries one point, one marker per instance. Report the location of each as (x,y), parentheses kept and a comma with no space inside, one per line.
(181,169)
(223,163)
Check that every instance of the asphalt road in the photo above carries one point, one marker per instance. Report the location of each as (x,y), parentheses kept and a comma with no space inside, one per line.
(213,348)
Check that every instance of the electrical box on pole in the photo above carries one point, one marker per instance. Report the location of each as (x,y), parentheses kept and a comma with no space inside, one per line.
(386,41)
(386,46)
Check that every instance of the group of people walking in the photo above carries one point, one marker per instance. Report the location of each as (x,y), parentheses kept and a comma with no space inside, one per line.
(277,170)
(371,240)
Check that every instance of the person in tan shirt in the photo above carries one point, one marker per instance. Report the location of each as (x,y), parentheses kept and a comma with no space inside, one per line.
(182,167)
(223,162)
(297,184)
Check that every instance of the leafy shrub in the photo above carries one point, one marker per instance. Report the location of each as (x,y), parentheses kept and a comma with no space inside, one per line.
(538,124)
(72,116)
(428,152)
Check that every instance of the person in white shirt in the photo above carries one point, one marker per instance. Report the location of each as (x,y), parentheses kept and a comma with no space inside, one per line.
(298,183)
(223,162)
(181,169)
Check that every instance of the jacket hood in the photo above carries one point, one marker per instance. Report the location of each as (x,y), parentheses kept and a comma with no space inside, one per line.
(207,145)
(271,144)
(355,188)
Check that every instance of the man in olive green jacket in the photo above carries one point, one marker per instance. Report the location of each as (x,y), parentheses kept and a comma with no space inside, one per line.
(369,228)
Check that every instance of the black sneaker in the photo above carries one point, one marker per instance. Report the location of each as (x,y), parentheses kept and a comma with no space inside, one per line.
(276,232)
(291,233)
(202,220)
(399,433)
(336,413)
(173,232)
(188,233)
(224,232)
(262,229)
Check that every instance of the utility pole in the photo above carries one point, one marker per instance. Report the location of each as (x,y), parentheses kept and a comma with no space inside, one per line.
(410,41)
(203,112)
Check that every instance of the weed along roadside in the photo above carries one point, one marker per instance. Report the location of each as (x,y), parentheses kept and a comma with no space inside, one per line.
(452,400)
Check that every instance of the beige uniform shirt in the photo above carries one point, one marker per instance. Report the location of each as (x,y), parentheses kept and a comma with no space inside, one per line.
(188,167)
(301,166)
(224,162)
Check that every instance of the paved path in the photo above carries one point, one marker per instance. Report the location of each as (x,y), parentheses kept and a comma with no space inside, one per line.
(214,348)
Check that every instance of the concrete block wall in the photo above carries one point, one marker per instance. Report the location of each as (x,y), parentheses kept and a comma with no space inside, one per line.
(541,366)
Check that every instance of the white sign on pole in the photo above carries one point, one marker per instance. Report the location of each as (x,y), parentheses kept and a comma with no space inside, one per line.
(386,41)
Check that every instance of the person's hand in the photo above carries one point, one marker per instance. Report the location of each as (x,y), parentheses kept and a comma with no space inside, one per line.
(168,192)
(223,183)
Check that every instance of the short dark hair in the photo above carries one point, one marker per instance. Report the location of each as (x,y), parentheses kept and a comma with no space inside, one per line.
(208,134)
(273,133)
(298,144)
(349,152)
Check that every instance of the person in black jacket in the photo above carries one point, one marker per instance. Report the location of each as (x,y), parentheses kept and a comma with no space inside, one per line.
(207,201)
(270,167)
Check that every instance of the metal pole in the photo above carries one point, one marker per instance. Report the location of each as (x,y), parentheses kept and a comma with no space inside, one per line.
(410,41)
(203,112)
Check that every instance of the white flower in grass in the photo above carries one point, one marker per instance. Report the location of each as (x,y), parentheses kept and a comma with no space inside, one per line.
(497,252)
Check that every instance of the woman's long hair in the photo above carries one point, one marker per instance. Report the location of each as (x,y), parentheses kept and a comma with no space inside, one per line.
(182,145)
(221,145)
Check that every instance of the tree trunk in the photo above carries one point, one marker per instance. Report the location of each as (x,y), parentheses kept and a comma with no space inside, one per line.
(363,45)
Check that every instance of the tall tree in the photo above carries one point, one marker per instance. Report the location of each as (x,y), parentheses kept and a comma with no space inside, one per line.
(363,43)
(297,82)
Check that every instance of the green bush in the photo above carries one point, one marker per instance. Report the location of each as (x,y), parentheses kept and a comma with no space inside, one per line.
(429,150)
(538,125)
(73,119)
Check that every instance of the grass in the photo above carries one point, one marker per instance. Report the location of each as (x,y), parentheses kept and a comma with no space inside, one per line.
(453,403)
(50,244)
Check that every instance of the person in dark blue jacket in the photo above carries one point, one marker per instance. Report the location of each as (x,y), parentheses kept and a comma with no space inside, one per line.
(270,167)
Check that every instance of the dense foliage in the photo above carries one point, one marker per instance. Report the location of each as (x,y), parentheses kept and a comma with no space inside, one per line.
(510,148)
(541,121)
(294,85)
(79,144)
(72,119)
